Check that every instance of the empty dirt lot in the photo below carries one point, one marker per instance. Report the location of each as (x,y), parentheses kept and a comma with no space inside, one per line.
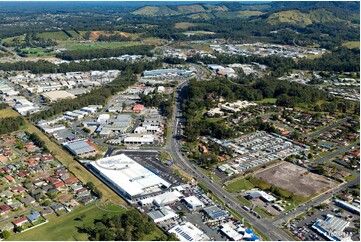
(295,179)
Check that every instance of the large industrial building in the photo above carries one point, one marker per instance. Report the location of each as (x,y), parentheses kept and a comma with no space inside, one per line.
(332,228)
(128,178)
(80,147)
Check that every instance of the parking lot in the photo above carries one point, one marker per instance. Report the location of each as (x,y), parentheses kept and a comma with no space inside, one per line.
(301,227)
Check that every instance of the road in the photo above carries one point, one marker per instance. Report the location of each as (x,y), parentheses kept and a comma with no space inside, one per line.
(337,153)
(317,133)
(264,225)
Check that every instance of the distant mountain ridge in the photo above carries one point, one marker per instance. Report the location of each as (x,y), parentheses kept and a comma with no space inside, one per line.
(166,10)
(296,13)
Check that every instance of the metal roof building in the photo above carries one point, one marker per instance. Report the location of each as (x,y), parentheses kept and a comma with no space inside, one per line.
(188,232)
(163,214)
(332,228)
(128,178)
(215,213)
(79,147)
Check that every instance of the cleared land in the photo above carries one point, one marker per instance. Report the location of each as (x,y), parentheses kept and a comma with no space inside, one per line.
(295,179)
(198,32)
(352,44)
(184,25)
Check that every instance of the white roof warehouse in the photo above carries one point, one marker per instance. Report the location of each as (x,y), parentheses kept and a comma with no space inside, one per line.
(127,177)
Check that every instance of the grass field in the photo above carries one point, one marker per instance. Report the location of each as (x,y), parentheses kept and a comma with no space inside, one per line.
(74,34)
(8,113)
(58,35)
(73,45)
(352,44)
(66,227)
(184,25)
(66,159)
(239,185)
(244,201)
(267,100)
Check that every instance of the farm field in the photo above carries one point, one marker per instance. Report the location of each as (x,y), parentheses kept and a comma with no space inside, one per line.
(295,179)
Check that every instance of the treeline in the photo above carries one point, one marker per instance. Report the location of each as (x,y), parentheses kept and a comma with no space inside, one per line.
(97,96)
(164,103)
(113,38)
(105,53)
(3,106)
(42,66)
(130,226)
(37,141)
(199,96)
(340,60)
(11,124)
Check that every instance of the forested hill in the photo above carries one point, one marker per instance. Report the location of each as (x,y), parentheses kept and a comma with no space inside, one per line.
(344,10)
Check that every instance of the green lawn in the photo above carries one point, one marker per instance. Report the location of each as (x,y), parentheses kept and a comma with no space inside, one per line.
(244,201)
(239,185)
(267,100)
(66,227)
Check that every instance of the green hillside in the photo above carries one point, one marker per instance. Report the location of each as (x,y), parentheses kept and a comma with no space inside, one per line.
(155,11)
(186,9)
(180,10)
(302,19)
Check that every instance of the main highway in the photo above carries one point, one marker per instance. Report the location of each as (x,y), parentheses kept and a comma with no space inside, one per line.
(264,225)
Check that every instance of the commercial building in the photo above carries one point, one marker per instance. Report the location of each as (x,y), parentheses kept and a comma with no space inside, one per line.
(332,228)
(80,147)
(193,203)
(262,195)
(166,72)
(54,96)
(103,118)
(128,178)
(142,140)
(231,233)
(188,232)
(347,206)
(163,214)
(163,199)
(215,213)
